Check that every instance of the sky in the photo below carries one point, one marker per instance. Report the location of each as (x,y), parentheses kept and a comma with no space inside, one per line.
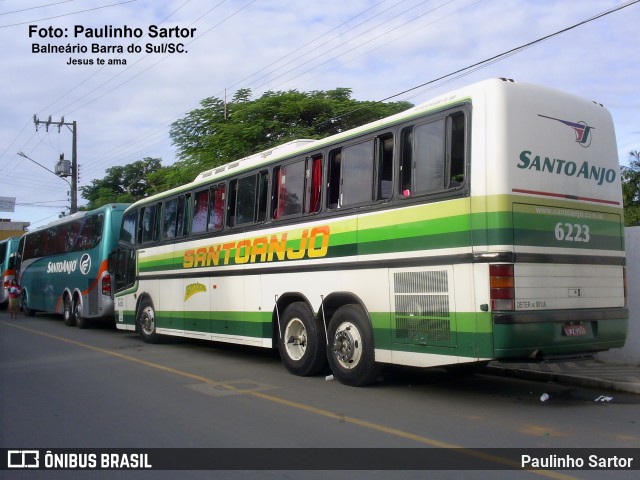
(378,48)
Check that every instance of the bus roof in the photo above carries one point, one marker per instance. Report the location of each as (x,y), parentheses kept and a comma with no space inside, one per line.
(307,146)
(79,215)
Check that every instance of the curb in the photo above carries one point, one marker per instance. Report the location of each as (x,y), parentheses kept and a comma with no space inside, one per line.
(565,379)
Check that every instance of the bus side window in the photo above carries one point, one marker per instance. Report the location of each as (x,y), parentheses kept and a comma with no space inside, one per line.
(200,211)
(262,196)
(457,148)
(149,223)
(384,167)
(242,201)
(357,174)
(169,212)
(128,229)
(429,157)
(216,208)
(333,183)
(432,156)
(182,215)
(289,196)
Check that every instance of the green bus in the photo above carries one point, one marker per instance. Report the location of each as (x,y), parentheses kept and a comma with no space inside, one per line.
(8,249)
(484,224)
(63,266)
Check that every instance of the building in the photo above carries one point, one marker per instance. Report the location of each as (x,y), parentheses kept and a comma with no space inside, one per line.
(12,229)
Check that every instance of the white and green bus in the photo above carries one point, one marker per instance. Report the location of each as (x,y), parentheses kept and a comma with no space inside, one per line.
(63,266)
(483,224)
(8,249)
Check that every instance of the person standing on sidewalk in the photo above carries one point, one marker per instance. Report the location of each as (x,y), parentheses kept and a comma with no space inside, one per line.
(14,291)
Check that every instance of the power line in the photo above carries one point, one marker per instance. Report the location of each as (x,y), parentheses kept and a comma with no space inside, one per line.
(67,14)
(515,50)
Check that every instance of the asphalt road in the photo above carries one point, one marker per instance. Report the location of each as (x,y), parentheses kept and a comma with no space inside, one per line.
(99,388)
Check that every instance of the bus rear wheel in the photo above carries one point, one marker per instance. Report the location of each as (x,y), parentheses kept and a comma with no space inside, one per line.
(67,312)
(147,322)
(351,355)
(78,317)
(303,340)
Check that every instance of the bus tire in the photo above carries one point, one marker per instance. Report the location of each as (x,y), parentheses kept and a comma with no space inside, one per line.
(67,312)
(78,317)
(147,322)
(350,350)
(303,341)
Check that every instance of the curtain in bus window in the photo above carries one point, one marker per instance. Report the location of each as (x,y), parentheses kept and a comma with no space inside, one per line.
(429,156)
(280,194)
(200,211)
(357,174)
(316,185)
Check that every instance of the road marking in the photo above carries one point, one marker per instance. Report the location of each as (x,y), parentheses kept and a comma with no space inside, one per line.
(307,408)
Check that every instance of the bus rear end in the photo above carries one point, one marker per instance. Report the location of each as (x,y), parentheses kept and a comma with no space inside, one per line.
(557,282)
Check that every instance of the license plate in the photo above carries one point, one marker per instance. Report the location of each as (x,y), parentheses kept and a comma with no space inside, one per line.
(574,329)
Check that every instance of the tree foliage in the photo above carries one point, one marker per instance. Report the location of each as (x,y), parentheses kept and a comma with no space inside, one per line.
(122,184)
(217,133)
(631,189)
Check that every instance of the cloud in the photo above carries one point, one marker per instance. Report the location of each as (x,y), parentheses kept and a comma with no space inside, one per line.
(377,48)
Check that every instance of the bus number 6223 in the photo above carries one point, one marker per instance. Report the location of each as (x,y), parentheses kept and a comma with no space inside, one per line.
(572,232)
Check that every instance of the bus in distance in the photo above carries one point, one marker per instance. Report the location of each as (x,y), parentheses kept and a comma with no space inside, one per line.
(8,249)
(63,266)
(484,224)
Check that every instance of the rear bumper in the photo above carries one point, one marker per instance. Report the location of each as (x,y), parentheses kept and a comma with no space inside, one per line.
(534,334)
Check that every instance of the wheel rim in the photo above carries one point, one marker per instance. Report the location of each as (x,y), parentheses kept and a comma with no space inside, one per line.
(67,310)
(77,311)
(295,339)
(147,321)
(347,345)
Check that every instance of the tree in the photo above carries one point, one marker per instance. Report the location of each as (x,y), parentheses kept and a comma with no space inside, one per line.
(215,133)
(123,184)
(631,189)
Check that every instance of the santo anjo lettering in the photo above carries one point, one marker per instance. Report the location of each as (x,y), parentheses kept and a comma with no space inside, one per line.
(314,243)
(66,266)
(563,167)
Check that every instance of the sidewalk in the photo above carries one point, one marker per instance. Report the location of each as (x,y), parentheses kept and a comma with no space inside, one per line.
(590,373)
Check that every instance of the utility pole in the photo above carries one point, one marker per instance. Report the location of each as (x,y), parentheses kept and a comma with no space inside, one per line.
(60,171)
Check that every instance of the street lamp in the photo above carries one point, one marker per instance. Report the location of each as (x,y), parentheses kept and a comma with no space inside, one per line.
(22,154)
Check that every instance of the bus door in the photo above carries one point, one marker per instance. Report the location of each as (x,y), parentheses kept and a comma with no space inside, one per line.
(123,264)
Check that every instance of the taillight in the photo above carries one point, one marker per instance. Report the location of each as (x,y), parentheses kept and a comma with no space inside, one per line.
(106,285)
(502,288)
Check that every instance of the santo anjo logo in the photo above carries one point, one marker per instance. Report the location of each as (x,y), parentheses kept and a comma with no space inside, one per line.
(583,131)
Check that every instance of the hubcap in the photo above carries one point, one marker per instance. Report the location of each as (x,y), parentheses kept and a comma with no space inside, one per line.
(295,336)
(147,321)
(347,345)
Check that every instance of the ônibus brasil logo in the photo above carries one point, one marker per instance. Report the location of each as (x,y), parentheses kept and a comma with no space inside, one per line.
(582,130)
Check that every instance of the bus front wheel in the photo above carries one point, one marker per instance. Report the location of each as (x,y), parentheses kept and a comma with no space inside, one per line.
(351,355)
(147,322)
(302,343)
